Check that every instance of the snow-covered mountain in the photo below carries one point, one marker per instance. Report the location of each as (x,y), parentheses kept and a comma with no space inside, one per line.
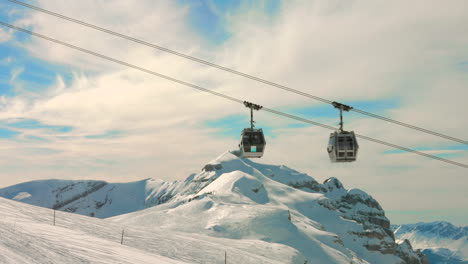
(441,242)
(240,200)
(93,198)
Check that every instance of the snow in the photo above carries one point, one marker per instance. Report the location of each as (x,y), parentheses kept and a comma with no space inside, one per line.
(21,196)
(27,235)
(241,202)
(256,213)
(95,198)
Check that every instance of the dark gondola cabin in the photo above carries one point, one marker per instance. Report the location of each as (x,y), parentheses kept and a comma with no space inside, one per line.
(342,146)
(252,143)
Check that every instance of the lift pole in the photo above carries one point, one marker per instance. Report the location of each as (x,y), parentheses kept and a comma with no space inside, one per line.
(341,118)
(252,107)
(251,119)
(342,108)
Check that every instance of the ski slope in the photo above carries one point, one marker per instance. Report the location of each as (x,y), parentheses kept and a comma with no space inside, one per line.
(27,235)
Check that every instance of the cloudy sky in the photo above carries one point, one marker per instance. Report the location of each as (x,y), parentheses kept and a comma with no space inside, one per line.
(68,115)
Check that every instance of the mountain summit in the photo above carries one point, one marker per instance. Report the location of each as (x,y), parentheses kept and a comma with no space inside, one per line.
(236,198)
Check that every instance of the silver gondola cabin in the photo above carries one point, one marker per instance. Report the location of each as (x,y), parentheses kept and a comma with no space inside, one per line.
(342,145)
(252,143)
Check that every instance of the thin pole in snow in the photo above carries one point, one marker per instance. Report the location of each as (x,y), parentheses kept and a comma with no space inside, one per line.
(54,217)
(121,240)
(14,224)
(225,257)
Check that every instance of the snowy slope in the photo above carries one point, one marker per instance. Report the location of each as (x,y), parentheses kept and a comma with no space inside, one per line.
(441,242)
(27,235)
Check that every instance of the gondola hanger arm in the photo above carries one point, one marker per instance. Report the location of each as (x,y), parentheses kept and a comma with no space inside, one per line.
(341,106)
(252,105)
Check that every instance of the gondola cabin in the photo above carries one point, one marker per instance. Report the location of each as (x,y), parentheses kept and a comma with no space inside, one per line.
(342,146)
(252,143)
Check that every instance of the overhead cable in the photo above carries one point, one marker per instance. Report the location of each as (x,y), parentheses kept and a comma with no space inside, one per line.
(221,94)
(235,71)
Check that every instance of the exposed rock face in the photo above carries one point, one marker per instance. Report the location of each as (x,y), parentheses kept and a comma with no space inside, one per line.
(312,185)
(405,252)
(62,202)
(357,205)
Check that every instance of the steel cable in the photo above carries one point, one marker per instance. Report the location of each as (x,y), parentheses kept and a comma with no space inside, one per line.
(427,131)
(223,95)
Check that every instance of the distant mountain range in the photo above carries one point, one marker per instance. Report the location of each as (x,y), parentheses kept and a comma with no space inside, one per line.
(441,242)
(235,198)
(92,198)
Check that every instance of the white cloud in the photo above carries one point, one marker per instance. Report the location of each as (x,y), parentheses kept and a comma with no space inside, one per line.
(153,21)
(366,50)
(5,35)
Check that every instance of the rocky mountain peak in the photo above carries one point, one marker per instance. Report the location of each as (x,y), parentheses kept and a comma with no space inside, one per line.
(332,183)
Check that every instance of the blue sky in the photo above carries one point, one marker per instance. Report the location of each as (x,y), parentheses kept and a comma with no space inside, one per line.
(228,126)
(206,17)
(212,22)
(209,17)
(33,124)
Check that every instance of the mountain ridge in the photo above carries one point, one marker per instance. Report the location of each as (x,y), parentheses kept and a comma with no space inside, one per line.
(240,199)
(441,241)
